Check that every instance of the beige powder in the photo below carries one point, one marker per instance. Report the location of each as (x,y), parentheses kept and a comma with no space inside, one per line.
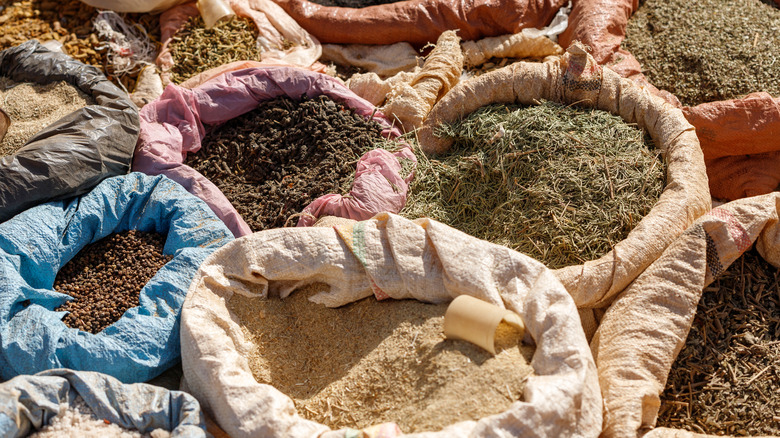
(378,361)
(33,107)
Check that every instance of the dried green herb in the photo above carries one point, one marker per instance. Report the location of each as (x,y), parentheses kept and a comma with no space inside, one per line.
(707,50)
(561,184)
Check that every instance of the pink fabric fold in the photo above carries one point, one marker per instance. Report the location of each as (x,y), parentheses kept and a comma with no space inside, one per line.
(176,123)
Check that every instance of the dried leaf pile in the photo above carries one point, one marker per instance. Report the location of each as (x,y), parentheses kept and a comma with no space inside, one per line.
(707,50)
(560,184)
(373,361)
(727,376)
(196,49)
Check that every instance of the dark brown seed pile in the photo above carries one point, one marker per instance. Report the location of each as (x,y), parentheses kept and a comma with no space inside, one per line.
(726,379)
(107,276)
(273,161)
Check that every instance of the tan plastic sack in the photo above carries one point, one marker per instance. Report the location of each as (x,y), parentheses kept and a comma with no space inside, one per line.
(577,78)
(410,103)
(388,257)
(274,25)
(643,331)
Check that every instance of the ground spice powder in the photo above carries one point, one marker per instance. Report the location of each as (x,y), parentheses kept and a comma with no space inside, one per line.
(373,361)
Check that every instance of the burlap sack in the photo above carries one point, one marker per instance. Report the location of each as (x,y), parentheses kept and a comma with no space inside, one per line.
(643,331)
(389,257)
(576,78)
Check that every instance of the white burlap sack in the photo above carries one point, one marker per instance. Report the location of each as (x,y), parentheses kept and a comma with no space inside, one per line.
(643,331)
(387,256)
(577,78)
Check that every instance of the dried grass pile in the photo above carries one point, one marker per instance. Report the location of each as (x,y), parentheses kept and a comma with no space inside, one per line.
(560,184)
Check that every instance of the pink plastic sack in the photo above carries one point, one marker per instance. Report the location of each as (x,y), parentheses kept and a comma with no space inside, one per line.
(176,123)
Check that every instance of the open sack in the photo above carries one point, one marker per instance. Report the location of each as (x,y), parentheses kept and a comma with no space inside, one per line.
(576,78)
(36,244)
(643,331)
(176,123)
(75,153)
(27,403)
(388,257)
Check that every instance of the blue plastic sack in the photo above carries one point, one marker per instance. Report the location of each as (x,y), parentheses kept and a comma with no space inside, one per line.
(28,403)
(35,244)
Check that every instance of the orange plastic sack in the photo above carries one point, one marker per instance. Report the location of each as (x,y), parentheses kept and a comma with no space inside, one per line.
(420,21)
(272,22)
(740,139)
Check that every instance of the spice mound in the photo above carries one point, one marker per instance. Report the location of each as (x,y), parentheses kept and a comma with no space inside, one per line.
(273,161)
(78,421)
(372,362)
(195,49)
(32,107)
(726,379)
(106,278)
(560,184)
(707,50)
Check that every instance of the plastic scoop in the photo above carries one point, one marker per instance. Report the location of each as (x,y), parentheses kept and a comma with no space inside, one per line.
(473,320)
(213,11)
(5,122)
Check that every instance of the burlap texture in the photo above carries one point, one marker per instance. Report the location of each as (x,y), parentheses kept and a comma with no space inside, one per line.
(644,330)
(274,25)
(577,78)
(410,103)
(388,257)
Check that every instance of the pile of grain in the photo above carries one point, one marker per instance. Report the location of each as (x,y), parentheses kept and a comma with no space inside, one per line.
(378,361)
(33,107)
(560,184)
(726,379)
(78,421)
(707,50)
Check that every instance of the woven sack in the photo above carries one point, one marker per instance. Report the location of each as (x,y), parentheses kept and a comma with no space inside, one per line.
(576,78)
(388,257)
(643,331)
